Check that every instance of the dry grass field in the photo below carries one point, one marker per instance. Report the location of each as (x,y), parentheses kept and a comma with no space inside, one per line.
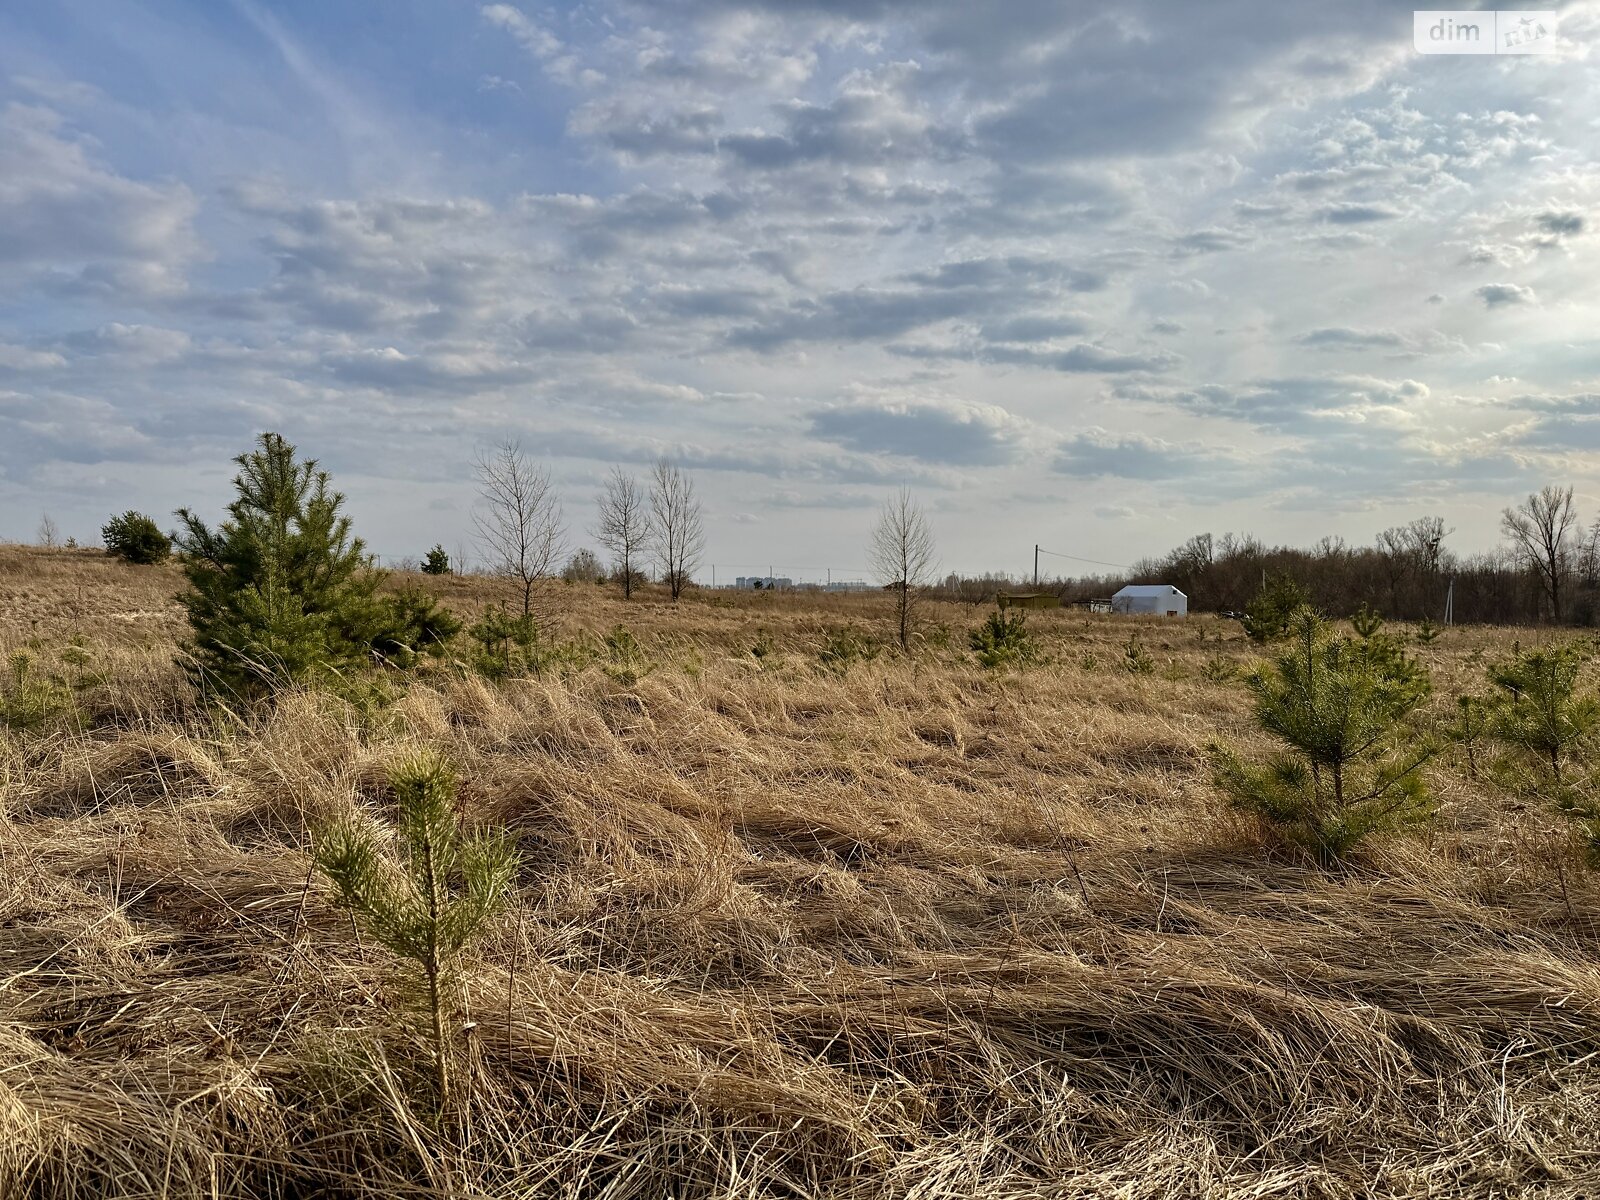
(902,929)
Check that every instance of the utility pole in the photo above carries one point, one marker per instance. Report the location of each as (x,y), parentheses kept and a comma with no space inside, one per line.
(1450,603)
(1036,564)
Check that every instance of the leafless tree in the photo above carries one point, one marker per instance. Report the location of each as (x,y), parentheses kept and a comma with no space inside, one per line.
(625,525)
(1541,531)
(676,524)
(901,553)
(1589,557)
(518,519)
(49,533)
(1425,537)
(1394,552)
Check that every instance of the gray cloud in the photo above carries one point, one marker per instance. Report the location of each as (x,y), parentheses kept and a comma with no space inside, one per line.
(934,431)
(1499,295)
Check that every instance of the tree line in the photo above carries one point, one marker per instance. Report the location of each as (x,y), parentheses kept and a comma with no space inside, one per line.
(1546,570)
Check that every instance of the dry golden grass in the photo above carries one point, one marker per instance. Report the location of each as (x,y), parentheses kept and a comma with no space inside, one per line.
(911,930)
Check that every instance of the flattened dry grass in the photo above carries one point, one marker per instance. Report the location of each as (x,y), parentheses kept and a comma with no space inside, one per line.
(910,930)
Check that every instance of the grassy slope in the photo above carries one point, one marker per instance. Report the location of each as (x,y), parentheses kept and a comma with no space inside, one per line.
(916,931)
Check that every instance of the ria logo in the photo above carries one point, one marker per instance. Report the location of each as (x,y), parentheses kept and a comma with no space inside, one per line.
(1484,31)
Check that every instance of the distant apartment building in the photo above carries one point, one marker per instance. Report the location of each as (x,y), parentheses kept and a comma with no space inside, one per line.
(763,582)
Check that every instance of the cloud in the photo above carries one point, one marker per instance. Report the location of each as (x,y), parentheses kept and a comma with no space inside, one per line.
(1358,214)
(942,431)
(1560,224)
(1097,453)
(1343,337)
(65,213)
(1499,295)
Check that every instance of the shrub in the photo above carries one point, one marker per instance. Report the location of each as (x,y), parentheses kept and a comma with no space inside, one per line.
(135,538)
(1003,641)
(846,646)
(1136,660)
(410,623)
(1427,632)
(1544,719)
(1267,617)
(437,562)
(1218,669)
(428,905)
(505,643)
(1342,706)
(626,661)
(583,567)
(1366,621)
(1471,721)
(280,591)
(29,701)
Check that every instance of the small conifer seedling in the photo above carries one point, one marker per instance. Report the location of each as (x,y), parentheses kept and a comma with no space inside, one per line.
(429,904)
(1341,706)
(1545,719)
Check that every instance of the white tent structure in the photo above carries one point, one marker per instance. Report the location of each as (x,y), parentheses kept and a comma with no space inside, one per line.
(1152,599)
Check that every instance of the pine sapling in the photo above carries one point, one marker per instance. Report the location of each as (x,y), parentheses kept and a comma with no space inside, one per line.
(1342,707)
(1544,719)
(428,904)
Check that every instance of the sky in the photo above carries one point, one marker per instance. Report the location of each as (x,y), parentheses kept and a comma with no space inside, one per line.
(1098,277)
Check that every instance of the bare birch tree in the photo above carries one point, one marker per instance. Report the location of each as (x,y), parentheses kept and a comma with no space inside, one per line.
(901,553)
(518,519)
(676,524)
(49,533)
(625,526)
(1541,530)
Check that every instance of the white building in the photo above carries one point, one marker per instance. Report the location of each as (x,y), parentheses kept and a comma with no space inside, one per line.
(1152,599)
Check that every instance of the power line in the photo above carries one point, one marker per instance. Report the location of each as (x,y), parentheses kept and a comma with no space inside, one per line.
(1076,558)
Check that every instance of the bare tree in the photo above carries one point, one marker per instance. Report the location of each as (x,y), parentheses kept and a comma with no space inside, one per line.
(676,525)
(1394,552)
(518,520)
(1426,536)
(901,553)
(1589,557)
(1540,529)
(49,533)
(625,526)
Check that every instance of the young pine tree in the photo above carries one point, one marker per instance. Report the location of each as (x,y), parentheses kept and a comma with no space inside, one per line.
(430,904)
(1341,707)
(280,591)
(1267,617)
(437,562)
(1543,718)
(135,538)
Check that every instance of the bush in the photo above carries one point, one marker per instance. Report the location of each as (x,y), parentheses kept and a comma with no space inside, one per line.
(1267,617)
(1342,706)
(427,905)
(583,567)
(31,702)
(1003,641)
(437,562)
(280,591)
(135,538)
(846,646)
(626,662)
(1136,660)
(410,623)
(1366,621)
(1543,719)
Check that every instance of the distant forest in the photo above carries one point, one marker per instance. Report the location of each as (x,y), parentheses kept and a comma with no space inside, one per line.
(1547,571)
